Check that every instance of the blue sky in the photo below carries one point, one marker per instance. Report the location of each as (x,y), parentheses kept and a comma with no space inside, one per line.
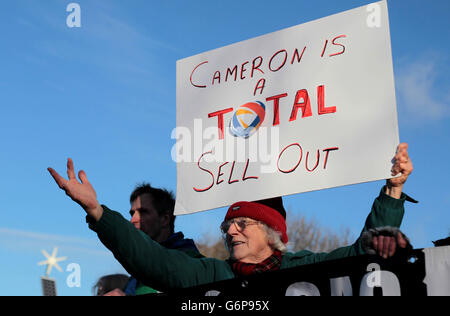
(104,95)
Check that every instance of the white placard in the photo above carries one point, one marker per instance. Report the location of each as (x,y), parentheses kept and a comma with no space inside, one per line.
(323,95)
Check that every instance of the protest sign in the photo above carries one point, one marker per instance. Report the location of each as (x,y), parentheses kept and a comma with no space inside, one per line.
(301,109)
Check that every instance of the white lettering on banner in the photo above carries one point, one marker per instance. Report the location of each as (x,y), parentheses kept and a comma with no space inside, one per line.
(302,289)
(341,286)
(389,283)
(374,278)
(432,273)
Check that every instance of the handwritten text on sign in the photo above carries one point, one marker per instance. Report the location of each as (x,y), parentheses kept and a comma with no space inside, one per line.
(301,109)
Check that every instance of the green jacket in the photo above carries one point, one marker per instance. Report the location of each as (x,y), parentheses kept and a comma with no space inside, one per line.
(166,269)
(175,241)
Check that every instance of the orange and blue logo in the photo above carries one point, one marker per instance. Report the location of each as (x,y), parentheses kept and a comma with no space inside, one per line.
(247,119)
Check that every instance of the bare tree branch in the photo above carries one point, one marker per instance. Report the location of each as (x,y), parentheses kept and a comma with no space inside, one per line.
(303,234)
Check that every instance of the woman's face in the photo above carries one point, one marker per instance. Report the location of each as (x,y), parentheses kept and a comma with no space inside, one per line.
(247,240)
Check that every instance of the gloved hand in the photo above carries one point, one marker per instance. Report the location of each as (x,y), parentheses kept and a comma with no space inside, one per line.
(384,241)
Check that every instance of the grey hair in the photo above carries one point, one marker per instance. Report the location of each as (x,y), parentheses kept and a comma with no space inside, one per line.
(273,238)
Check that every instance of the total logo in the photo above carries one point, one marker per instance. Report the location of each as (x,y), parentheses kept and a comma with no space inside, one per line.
(247,119)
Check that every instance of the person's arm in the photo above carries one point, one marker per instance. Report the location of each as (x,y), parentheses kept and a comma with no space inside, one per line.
(142,257)
(151,263)
(387,210)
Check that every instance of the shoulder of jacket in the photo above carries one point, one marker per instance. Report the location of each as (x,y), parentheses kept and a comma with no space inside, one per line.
(293,259)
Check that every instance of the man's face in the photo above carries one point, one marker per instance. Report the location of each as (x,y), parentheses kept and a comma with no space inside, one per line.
(249,244)
(145,217)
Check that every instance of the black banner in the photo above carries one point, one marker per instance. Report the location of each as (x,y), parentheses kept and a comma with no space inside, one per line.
(404,274)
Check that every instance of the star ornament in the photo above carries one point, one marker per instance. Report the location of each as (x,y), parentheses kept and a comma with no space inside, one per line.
(51,261)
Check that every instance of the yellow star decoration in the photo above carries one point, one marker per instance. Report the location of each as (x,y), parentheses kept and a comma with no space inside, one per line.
(51,261)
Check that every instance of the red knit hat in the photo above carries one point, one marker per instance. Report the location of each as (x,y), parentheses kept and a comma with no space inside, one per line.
(274,215)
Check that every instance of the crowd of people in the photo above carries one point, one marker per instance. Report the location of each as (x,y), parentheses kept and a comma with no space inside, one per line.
(159,259)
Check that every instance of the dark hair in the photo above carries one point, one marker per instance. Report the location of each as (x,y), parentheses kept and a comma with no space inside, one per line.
(110,282)
(162,199)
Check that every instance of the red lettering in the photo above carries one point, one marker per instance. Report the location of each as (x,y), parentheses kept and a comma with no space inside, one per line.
(305,105)
(299,160)
(243,70)
(282,64)
(216,76)
(219,115)
(317,162)
(231,72)
(245,172)
(212,183)
(192,73)
(260,85)
(276,105)
(337,44)
(231,173)
(254,67)
(324,47)
(321,102)
(219,174)
(327,150)
(299,58)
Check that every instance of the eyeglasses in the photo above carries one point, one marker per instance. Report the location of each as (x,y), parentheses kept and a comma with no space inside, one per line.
(241,224)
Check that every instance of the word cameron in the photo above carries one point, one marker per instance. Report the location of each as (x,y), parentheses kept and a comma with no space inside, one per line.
(260,65)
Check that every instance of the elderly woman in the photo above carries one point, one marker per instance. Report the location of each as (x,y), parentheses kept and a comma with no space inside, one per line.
(255,234)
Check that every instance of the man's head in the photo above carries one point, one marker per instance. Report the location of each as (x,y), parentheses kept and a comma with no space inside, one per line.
(152,211)
(254,230)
